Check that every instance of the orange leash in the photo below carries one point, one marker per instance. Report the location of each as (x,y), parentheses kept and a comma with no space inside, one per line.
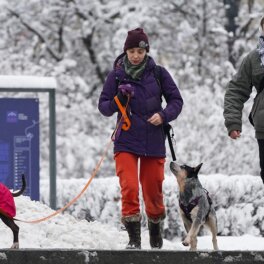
(126,122)
(74,199)
(87,184)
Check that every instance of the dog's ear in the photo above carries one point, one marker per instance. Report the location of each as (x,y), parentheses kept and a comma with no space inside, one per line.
(197,169)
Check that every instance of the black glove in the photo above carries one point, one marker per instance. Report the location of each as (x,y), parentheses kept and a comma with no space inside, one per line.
(122,98)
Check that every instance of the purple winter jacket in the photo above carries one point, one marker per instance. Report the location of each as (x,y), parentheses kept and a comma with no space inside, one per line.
(142,138)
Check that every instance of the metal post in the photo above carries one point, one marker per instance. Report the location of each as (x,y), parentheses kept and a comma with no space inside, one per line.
(52,148)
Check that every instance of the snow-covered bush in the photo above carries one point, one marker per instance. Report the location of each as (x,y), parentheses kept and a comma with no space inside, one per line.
(238,201)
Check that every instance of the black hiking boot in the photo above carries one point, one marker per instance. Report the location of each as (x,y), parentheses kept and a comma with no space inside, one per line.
(155,238)
(133,230)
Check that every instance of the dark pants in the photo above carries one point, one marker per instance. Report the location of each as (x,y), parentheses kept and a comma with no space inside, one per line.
(261,157)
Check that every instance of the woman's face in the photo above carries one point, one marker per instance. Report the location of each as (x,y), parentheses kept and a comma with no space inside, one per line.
(136,55)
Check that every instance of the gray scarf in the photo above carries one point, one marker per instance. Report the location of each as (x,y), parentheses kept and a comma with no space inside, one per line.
(260,49)
(135,71)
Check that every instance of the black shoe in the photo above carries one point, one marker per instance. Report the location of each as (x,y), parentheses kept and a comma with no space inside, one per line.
(133,229)
(155,238)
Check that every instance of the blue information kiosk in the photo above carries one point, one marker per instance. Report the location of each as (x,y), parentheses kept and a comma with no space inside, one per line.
(19,133)
(19,144)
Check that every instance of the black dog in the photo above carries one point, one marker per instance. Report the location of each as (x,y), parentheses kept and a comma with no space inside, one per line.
(8,209)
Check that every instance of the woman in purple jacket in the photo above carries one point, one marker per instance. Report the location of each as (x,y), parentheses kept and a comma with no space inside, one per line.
(139,148)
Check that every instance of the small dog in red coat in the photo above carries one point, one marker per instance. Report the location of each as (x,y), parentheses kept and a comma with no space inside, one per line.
(8,209)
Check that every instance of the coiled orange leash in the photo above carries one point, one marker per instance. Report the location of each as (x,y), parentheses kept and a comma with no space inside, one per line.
(126,122)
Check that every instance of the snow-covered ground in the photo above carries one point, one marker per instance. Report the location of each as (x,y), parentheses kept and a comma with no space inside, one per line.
(64,231)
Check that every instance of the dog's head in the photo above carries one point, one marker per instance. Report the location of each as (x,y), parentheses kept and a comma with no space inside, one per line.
(184,171)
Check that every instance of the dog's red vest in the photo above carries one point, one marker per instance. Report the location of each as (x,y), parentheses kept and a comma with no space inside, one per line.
(7,204)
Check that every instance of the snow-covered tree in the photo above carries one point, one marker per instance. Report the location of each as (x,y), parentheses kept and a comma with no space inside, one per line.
(76,41)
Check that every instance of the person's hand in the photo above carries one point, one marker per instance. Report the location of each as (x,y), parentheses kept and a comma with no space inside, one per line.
(122,98)
(126,89)
(234,134)
(156,119)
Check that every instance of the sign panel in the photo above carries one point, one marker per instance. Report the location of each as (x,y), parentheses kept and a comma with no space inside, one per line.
(19,144)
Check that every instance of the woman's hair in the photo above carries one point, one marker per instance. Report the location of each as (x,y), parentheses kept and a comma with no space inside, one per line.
(262,22)
(261,26)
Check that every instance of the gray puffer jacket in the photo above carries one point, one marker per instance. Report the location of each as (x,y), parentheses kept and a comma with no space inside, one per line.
(238,92)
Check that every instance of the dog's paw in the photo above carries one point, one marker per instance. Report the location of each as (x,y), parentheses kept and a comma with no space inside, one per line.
(185,242)
(15,245)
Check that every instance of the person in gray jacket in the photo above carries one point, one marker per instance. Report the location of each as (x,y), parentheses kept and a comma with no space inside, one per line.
(250,73)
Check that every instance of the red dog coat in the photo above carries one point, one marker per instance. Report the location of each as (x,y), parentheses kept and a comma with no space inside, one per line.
(7,204)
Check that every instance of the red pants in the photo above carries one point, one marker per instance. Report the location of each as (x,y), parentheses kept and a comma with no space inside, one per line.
(151,176)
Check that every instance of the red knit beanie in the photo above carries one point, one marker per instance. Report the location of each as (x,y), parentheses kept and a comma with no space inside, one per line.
(136,38)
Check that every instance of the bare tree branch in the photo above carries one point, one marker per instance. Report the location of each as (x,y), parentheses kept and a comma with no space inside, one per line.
(60,33)
(88,43)
(250,5)
(180,9)
(55,55)
(252,35)
(244,29)
(87,40)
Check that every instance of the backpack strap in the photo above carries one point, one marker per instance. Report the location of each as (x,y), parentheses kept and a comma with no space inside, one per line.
(166,127)
(158,76)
